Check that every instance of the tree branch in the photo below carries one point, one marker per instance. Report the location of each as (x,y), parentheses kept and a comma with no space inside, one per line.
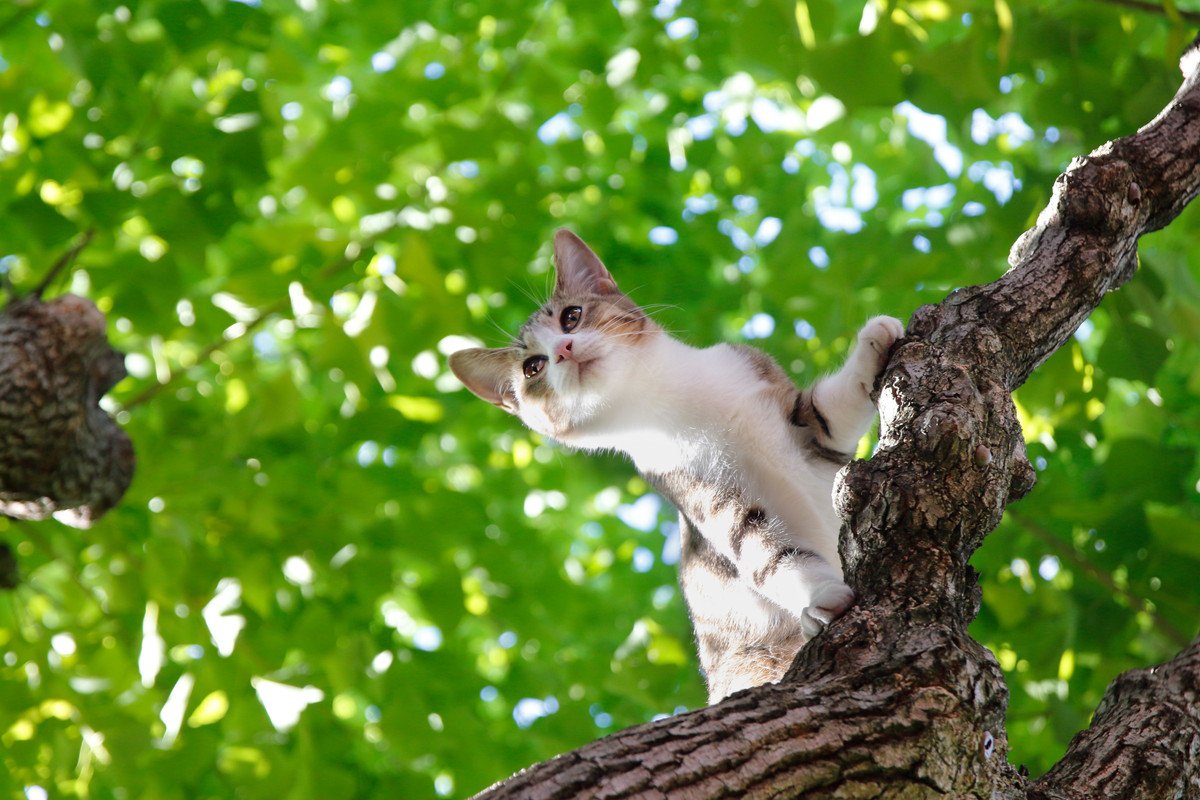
(1143,741)
(60,453)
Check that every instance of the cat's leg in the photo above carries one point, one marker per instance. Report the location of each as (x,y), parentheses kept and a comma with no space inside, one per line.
(830,601)
(790,556)
(743,639)
(841,403)
(805,584)
(783,568)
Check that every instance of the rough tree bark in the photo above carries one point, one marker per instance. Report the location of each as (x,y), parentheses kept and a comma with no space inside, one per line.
(60,453)
(895,699)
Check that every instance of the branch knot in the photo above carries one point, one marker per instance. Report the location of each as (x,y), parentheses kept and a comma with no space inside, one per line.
(1099,193)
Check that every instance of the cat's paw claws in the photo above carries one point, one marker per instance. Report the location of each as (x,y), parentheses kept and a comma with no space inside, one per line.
(880,334)
(829,602)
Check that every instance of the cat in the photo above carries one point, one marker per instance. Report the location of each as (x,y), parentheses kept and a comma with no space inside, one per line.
(747,460)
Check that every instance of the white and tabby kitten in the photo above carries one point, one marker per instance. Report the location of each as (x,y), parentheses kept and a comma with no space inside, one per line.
(746,458)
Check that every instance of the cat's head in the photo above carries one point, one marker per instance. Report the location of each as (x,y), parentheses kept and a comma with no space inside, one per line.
(574,358)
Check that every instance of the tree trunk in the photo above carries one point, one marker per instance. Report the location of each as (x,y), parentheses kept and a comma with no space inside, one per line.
(895,699)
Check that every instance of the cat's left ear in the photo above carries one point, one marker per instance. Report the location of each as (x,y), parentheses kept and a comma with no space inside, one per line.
(577,268)
(488,373)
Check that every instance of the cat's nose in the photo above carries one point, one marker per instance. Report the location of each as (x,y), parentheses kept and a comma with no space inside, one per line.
(563,350)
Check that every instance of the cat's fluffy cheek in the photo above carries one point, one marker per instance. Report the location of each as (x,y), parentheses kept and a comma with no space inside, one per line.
(536,419)
(581,408)
(561,414)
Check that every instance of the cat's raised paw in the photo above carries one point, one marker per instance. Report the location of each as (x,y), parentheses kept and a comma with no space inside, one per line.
(829,602)
(880,333)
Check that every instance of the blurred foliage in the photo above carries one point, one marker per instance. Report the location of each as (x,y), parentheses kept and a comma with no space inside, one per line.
(303,205)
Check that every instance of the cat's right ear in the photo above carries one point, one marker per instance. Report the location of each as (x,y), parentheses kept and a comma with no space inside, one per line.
(487,372)
(577,269)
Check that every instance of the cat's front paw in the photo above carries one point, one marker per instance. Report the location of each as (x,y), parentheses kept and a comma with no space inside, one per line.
(875,343)
(878,336)
(829,602)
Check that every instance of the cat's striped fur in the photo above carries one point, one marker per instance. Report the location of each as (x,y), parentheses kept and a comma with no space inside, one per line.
(746,458)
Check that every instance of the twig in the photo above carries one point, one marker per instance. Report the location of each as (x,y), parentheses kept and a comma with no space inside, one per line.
(1156,8)
(1069,553)
(63,262)
(247,327)
(264,314)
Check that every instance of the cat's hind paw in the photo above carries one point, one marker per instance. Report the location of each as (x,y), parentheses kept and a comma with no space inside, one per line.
(829,602)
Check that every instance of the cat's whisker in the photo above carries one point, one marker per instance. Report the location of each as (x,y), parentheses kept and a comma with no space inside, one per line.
(529,293)
(608,328)
(659,307)
(610,332)
(648,307)
(506,338)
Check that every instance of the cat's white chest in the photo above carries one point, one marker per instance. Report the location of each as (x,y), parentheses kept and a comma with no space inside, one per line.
(666,446)
(656,451)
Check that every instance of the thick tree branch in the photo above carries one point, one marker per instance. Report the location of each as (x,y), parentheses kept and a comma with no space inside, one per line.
(1085,240)
(894,699)
(60,453)
(1143,742)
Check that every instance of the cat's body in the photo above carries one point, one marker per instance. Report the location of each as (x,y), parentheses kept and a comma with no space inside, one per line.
(746,458)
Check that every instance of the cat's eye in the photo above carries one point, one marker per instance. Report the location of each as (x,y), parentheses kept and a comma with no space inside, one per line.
(570,318)
(534,365)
